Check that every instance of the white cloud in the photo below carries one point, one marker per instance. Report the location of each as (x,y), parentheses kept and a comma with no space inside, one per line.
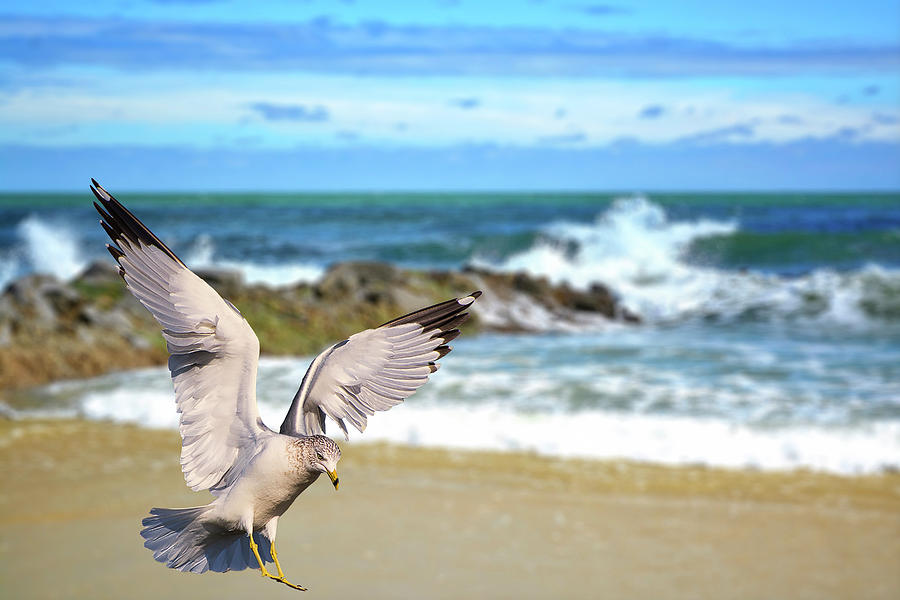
(210,109)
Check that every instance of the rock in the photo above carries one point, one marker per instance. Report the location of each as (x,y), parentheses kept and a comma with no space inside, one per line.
(33,308)
(370,282)
(99,272)
(51,330)
(226,281)
(64,299)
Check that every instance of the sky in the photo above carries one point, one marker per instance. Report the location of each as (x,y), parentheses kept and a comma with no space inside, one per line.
(444,95)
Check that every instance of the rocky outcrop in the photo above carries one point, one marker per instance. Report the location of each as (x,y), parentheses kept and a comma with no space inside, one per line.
(52,330)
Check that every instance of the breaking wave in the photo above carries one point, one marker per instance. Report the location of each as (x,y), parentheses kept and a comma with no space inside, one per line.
(651,262)
(459,411)
(43,247)
(202,255)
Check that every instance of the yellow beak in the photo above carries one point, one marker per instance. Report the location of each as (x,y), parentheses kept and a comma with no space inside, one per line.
(334,479)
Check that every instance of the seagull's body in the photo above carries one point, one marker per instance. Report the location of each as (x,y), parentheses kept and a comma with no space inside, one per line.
(255,473)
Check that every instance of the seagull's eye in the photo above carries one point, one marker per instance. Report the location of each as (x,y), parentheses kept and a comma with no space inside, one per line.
(319,456)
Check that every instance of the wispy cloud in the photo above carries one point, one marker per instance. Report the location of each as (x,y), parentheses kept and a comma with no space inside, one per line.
(871,90)
(790,120)
(290,112)
(600,10)
(885,119)
(743,131)
(652,111)
(186,1)
(381,48)
(564,139)
(466,103)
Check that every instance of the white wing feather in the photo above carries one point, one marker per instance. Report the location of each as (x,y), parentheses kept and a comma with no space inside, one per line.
(374,369)
(213,350)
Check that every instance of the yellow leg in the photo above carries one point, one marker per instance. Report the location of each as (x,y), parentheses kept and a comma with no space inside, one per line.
(265,573)
(262,567)
(275,558)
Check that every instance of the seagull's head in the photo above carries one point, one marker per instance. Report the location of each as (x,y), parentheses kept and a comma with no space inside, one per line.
(325,457)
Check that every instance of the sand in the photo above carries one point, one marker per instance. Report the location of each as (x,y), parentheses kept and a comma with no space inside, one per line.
(417,523)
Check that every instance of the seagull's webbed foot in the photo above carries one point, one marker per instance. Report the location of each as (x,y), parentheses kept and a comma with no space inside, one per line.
(288,583)
(281,576)
(265,573)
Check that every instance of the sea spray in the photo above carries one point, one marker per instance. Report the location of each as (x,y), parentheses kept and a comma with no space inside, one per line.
(43,247)
(643,256)
(203,255)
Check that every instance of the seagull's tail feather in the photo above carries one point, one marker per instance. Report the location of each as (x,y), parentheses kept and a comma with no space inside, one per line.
(181,539)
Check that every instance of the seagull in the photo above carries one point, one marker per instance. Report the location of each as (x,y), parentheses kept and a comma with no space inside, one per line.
(253,472)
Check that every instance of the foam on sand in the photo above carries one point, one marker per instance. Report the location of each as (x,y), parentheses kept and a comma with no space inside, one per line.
(440,417)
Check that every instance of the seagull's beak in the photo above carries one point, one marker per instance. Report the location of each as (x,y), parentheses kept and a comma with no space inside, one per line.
(334,479)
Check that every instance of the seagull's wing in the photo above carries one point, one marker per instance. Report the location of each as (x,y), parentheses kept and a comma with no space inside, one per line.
(374,369)
(213,351)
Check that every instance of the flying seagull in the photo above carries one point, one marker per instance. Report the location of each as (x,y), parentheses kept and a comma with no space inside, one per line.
(253,472)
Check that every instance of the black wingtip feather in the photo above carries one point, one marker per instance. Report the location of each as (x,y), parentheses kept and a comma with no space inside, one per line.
(112,233)
(428,316)
(443,351)
(123,224)
(449,336)
(116,253)
(97,194)
(451,322)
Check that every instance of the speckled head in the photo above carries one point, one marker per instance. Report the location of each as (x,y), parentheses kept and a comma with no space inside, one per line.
(325,456)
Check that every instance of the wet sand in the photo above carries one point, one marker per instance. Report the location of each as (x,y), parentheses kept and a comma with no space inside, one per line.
(416,523)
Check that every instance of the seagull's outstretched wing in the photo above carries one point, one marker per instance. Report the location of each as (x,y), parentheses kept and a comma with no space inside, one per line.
(374,369)
(213,351)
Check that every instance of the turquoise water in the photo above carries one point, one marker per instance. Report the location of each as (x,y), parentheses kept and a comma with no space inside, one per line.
(789,233)
(771,334)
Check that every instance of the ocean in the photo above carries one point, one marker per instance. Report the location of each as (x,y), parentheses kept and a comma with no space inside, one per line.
(770,335)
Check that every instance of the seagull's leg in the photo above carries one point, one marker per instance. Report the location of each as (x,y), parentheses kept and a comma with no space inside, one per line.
(262,566)
(275,558)
(270,528)
(270,533)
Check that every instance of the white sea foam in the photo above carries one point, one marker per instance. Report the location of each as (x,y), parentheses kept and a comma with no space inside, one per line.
(637,251)
(203,255)
(481,411)
(650,438)
(585,434)
(43,248)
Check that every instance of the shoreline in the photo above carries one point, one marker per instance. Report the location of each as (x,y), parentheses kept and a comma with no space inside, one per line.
(421,522)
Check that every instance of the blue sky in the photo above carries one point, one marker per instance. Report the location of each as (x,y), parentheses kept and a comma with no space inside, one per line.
(220,95)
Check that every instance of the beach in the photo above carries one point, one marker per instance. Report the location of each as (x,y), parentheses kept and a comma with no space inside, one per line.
(667,397)
(431,523)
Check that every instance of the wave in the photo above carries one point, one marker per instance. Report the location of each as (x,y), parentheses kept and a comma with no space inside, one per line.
(43,247)
(651,262)
(202,255)
(482,409)
(53,248)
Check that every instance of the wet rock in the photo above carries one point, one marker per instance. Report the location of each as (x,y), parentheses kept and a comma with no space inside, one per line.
(369,282)
(226,281)
(51,330)
(32,307)
(99,272)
